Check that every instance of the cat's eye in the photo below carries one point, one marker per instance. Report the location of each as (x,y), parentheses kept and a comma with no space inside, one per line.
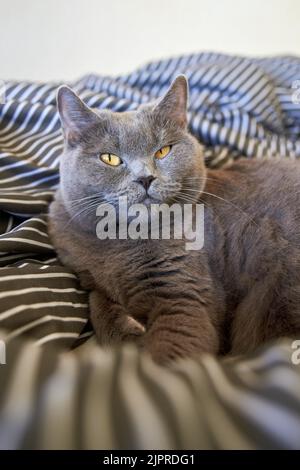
(163,152)
(110,159)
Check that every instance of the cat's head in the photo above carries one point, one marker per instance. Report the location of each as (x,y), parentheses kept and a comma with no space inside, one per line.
(147,155)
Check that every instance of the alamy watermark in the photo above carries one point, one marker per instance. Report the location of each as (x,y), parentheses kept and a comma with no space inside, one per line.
(2,92)
(155,222)
(296,354)
(2,352)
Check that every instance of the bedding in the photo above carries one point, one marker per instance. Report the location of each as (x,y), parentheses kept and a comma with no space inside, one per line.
(120,399)
(238,107)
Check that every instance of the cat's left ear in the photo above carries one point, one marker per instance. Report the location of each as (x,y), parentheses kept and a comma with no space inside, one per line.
(173,105)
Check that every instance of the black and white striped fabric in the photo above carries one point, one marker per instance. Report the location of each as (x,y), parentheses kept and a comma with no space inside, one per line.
(237,107)
(120,399)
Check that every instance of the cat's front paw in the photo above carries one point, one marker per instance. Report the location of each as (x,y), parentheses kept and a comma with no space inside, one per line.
(163,354)
(130,329)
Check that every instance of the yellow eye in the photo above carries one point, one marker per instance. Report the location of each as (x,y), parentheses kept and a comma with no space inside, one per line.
(163,152)
(110,159)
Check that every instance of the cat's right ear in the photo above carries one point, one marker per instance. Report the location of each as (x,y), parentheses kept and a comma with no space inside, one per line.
(75,116)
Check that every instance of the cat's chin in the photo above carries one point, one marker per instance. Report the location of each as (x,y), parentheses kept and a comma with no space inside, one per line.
(148,200)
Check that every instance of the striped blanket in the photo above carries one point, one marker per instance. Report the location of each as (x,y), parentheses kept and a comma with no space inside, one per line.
(120,399)
(238,107)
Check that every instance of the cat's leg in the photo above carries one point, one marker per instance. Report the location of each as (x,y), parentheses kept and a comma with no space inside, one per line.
(177,333)
(110,322)
(269,311)
(270,307)
(247,329)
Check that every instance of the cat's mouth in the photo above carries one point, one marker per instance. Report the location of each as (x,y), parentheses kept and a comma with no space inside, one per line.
(148,200)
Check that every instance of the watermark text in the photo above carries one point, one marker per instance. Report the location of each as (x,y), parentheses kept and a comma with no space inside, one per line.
(155,222)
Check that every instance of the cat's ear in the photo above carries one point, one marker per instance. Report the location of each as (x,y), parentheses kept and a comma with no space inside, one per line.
(173,105)
(75,116)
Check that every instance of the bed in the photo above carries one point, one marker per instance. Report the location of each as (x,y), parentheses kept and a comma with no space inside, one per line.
(54,369)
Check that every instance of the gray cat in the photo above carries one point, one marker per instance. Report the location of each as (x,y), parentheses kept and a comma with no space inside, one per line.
(241,289)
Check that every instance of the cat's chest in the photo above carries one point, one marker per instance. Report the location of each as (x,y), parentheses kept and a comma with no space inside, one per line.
(127,269)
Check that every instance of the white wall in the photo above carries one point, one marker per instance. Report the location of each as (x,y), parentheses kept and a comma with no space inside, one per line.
(63,39)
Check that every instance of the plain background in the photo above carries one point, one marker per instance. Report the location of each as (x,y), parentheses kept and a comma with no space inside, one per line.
(64,39)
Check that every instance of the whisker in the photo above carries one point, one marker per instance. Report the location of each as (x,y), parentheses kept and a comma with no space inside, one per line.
(228,202)
(85,197)
(87,210)
(193,180)
(83,201)
(202,178)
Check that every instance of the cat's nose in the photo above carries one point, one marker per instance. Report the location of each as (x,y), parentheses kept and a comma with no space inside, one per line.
(145,181)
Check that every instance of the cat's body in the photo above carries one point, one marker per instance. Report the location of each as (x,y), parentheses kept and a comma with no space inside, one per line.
(241,289)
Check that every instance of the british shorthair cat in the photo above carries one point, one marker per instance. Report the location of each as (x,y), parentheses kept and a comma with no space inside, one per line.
(239,290)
